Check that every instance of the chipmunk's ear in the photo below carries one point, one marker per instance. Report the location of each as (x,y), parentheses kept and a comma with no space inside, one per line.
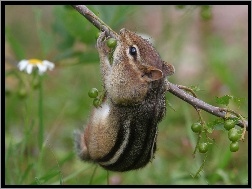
(151,73)
(168,69)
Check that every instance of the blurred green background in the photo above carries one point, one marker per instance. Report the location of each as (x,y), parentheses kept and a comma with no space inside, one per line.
(207,46)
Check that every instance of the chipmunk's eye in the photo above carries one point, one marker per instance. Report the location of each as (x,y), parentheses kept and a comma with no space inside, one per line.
(132,51)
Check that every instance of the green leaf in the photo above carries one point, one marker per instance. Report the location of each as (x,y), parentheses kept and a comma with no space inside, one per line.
(239,101)
(88,57)
(26,172)
(113,15)
(209,130)
(216,124)
(171,106)
(15,45)
(219,127)
(49,175)
(64,40)
(76,25)
(195,88)
(224,99)
(65,54)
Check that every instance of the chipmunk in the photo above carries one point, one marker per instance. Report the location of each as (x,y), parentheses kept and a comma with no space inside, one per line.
(121,134)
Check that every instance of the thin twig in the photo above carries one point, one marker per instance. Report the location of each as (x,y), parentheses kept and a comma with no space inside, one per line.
(197,103)
(172,88)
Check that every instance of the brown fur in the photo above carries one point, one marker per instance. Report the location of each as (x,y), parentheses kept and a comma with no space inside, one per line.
(121,135)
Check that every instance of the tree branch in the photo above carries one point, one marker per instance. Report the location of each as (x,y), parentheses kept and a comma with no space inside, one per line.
(197,103)
(172,88)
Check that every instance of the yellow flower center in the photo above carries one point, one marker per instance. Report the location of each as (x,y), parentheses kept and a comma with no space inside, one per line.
(35,61)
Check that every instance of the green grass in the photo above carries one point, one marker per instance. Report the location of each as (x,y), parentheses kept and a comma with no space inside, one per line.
(39,128)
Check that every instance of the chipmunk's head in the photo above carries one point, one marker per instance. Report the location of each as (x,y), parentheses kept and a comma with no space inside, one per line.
(137,51)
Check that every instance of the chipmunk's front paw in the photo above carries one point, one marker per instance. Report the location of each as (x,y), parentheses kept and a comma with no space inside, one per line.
(101,44)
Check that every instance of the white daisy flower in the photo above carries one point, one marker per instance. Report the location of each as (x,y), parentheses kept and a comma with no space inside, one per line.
(42,65)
